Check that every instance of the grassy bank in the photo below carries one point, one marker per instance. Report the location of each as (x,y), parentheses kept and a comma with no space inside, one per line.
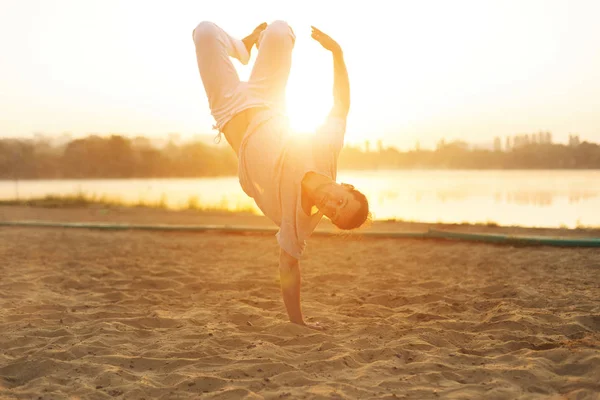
(86,200)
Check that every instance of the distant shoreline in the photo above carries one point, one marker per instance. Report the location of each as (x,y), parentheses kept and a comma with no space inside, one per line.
(95,178)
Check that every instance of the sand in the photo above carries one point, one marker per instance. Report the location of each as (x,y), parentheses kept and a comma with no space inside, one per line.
(90,314)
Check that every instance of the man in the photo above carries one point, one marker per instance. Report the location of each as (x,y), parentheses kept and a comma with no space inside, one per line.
(286,175)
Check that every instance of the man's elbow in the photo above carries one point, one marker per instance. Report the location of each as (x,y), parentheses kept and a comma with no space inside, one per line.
(286,261)
(289,273)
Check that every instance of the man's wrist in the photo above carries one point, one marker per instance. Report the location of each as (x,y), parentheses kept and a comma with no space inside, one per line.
(337,52)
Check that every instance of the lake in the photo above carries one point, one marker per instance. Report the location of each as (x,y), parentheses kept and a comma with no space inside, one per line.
(547,198)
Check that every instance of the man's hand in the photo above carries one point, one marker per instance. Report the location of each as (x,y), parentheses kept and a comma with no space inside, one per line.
(316,326)
(325,40)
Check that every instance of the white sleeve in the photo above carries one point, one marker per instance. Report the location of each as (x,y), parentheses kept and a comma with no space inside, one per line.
(288,241)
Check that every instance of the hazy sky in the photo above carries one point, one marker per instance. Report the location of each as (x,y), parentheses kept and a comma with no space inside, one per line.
(419,70)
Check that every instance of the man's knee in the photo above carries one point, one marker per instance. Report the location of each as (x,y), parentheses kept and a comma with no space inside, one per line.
(280,29)
(205,30)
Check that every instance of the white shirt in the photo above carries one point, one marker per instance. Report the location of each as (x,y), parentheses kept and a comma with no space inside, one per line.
(272,164)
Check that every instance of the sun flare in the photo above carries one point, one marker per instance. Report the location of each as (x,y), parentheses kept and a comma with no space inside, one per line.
(305,117)
(308,103)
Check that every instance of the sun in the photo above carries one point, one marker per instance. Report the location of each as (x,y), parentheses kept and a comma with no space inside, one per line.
(309,96)
(305,110)
(309,91)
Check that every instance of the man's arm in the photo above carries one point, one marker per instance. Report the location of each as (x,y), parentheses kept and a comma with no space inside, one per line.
(341,86)
(341,82)
(289,275)
(289,272)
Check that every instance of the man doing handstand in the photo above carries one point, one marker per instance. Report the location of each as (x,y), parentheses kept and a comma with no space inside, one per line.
(287,175)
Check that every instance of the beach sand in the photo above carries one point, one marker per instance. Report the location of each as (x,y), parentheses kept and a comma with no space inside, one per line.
(87,314)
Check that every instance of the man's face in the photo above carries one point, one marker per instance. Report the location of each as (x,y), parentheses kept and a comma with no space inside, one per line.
(337,203)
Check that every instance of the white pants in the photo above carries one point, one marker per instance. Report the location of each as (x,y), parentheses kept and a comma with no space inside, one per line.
(227,96)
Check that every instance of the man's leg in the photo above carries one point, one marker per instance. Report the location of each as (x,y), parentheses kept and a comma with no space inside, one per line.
(221,81)
(272,68)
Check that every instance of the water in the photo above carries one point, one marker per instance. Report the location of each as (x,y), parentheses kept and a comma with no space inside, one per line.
(548,198)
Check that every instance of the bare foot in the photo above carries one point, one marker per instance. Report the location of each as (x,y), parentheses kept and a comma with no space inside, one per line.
(252,38)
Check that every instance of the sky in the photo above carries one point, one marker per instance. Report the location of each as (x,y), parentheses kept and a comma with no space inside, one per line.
(419,70)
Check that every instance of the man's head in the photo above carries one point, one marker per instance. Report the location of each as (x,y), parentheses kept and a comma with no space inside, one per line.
(345,206)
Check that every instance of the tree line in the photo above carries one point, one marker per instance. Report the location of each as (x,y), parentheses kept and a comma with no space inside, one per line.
(96,157)
(459,155)
(116,156)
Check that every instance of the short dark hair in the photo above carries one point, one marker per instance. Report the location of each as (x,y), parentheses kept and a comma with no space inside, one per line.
(361,215)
